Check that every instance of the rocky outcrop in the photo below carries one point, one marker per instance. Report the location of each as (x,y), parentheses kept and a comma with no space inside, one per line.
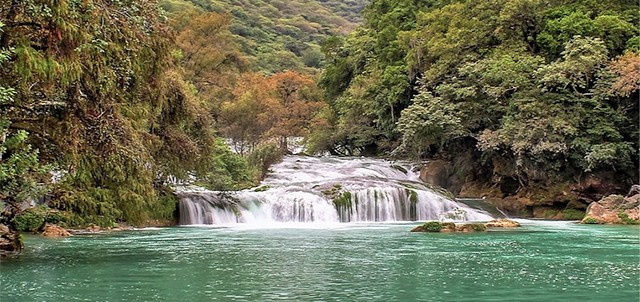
(471,227)
(502,223)
(52,230)
(10,242)
(450,227)
(451,176)
(614,209)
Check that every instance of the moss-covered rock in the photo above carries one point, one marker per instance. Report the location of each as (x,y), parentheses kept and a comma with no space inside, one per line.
(471,227)
(449,227)
(428,227)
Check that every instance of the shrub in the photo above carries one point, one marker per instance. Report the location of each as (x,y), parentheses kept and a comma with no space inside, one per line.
(590,220)
(625,218)
(343,200)
(573,214)
(30,220)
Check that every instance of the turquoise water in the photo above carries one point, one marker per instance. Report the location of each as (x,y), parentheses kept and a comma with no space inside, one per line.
(543,261)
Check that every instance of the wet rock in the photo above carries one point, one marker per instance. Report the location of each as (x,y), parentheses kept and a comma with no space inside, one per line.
(52,230)
(614,209)
(10,242)
(418,229)
(429,226)
(449,227)
(471,227)
(502,223)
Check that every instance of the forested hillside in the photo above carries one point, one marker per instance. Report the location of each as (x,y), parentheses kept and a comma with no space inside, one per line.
(276,35)
(104,103)
(524,93)
(92,94)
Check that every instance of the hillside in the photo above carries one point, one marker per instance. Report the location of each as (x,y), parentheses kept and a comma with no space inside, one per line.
(280,35)
(524,98)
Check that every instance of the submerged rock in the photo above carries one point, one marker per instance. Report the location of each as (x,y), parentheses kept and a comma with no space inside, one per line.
(502,223)
(614,209)
(10,242)
(52,230)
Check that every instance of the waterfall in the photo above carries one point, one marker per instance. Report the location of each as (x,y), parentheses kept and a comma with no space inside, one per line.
(328,189)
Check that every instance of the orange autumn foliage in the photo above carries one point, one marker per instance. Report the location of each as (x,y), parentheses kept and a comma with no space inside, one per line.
(627,68)
(267,108)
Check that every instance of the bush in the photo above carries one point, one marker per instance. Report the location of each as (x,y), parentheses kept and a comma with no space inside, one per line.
(573,214)
(432,226)
(264,156)
(590,220)
(30,220)
(343,200)
(625,218)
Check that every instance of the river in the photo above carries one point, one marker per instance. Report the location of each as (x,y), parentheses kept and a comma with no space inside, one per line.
(330,229)
(542,261)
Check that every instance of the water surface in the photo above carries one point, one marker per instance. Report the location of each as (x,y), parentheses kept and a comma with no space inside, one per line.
(543,261)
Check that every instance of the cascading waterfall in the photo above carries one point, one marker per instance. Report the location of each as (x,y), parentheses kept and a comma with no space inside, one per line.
(328,189)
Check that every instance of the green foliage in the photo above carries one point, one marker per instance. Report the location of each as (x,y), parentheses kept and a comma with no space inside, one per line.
(20,169)
(413,195)
(261,189)
(432,226)
(227,170)
(343,200)
(276,36)
(537,89)
(103,98)
(428,122)
(590,220)
(264,156)
(625,218)
(30,220)
(573,214)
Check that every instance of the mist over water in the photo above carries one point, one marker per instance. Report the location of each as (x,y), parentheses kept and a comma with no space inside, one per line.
(326,190)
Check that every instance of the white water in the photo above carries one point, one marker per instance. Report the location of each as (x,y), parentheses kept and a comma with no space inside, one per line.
(303,189)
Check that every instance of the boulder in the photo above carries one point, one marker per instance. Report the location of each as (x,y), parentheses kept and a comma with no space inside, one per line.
(52,230)
(449,227)
(471,227)
(10,242)
(418,229)
(614,209)
(502,223)
(635,190)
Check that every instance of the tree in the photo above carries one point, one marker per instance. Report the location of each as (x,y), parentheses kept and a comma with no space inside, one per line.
(98,89)
(20,169)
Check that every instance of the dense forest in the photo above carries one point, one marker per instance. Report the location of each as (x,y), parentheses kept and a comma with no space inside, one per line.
(104,104)
(521,96)
(274,35)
